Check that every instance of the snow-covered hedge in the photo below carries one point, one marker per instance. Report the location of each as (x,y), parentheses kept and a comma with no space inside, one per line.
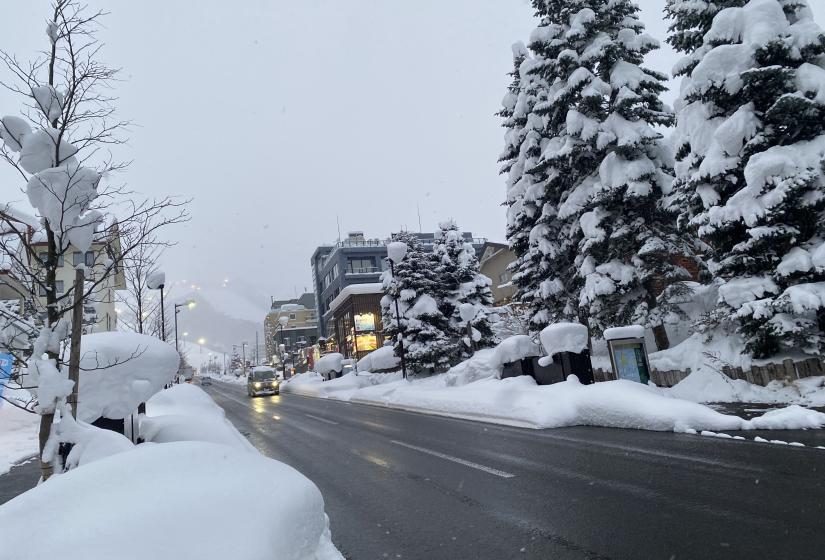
(120,370)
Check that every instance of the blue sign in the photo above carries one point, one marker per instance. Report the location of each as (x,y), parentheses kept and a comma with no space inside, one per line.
(6,362)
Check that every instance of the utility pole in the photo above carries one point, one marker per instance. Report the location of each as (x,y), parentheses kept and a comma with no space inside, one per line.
(257,360)
(77,332)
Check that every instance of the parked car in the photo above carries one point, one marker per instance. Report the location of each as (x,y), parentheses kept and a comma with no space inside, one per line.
(263,380)
(205,381)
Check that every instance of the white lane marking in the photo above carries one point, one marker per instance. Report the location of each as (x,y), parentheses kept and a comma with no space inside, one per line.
(231,398)
(321,419)
(488,470)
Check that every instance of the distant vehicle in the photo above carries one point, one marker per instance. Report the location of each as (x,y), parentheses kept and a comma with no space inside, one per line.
(187,373)
(206,381)
(263,380)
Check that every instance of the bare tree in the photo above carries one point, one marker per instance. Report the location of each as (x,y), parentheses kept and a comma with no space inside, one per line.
(60,145)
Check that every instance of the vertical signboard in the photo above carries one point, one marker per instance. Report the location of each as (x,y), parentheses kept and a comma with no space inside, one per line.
(6,363)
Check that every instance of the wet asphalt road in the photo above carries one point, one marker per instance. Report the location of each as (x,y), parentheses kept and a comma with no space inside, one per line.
(405,485)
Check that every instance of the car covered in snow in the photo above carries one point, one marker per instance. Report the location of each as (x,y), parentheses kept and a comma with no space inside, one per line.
(263,380)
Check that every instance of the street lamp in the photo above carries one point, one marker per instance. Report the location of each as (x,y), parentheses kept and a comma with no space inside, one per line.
(396,251)
(156,281)
(468,311)
(189,305)
(282,322)
(243,350)
(201,342)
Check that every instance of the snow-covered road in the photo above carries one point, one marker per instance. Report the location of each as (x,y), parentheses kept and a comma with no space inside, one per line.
(420,486)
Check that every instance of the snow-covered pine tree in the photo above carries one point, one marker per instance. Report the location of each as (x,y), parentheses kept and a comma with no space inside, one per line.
(690,21)
(425,329)
(623,170)
(543,270)
(458,273)
(754,107)
(514,118)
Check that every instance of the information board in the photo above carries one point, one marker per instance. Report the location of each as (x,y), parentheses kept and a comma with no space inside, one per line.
(6,362)
(630,362)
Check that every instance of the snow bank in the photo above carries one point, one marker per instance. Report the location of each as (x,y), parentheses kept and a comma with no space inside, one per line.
(161,502)
(186,413)
(120,370)
(18,435)
(380,359)
(311,384)
(473,390)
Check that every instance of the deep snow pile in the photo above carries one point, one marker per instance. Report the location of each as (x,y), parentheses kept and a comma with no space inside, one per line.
(185,413)
(473,390)
(168,493)
(160,501)
(120,370)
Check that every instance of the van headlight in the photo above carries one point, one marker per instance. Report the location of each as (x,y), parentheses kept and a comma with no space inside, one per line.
(257,385)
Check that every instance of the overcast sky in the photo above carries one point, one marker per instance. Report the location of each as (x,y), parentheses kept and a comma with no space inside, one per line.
(278,116)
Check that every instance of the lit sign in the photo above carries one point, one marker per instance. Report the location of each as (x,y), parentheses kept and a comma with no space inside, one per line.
(364,322)
(366,342)
(6,361)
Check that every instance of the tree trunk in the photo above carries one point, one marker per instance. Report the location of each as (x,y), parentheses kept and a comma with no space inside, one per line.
(660,334)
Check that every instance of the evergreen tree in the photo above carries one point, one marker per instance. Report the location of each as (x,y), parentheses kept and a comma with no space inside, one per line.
(459,275)
(425,329)
(754,109)
(690,22)
(599,251)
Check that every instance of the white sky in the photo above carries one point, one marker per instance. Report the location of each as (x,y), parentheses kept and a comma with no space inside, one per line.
(277,116)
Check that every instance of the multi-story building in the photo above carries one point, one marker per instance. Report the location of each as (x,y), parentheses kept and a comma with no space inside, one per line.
(355,260)
(495,258)
(104,251)
(301,330)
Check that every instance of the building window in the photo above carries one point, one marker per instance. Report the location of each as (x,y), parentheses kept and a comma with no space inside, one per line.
(45,257)
(292,316)
(334,271)
(87,258)
(58,284)
(361,266)
(504,277)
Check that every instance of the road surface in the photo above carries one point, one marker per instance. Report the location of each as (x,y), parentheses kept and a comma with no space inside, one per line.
(405,485)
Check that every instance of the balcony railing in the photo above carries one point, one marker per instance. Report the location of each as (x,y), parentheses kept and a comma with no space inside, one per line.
(364,270)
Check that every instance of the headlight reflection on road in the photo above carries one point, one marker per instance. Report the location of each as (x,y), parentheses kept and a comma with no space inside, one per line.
(276,417)
(258,406)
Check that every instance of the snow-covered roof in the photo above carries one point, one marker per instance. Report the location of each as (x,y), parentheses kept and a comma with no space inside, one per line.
(631,331)
(355,289)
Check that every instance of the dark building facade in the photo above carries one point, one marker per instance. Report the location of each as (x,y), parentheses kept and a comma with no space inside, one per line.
(355,260)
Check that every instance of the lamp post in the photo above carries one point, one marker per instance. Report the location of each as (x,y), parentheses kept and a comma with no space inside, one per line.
(396,251)
(157,281)
(468,311)
(189,305)
(282,322)
(282,348)
(243,350)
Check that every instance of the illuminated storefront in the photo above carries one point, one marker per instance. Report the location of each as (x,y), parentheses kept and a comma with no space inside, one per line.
(357,321)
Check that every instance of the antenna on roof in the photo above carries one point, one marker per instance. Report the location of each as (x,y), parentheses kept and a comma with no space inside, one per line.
(417,207)
(337,221)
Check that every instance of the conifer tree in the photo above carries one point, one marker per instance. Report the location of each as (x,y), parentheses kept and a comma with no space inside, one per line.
(753,109)
(459,275)
(425,329)
(600,248)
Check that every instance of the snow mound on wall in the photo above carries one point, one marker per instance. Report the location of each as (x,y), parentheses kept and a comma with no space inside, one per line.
(282,512)
(513,349)
(563,337)
(120,370)
(380,359)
